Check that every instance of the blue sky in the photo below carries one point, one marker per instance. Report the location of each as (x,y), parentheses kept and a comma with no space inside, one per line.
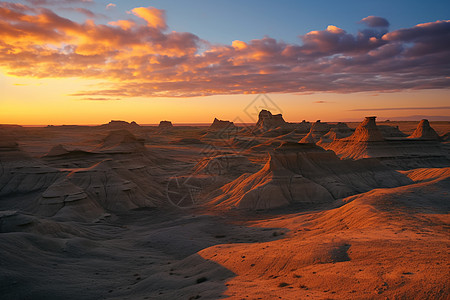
(179,60)
(225,21)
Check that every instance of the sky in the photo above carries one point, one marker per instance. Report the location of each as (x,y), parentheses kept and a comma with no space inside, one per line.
(92,61)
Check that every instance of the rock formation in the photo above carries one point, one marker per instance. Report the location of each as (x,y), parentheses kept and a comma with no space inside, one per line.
(368,142)
(222,125)
(117,124)
(67,201)
(425,132)
(367,131)
(307,174)
(121,141)
(318,129)
(268,121)
(22,174)
(308,139)
(341,130)
(58,150)
(165,124)
(325,132)
(220,129)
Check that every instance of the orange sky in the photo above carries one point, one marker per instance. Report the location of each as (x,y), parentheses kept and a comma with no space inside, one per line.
(54,70)
(29,101)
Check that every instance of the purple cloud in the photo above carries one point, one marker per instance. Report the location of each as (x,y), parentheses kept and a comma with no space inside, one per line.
(138,57)
(373,21)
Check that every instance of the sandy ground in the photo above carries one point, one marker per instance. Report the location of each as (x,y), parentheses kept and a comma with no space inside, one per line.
(387,243)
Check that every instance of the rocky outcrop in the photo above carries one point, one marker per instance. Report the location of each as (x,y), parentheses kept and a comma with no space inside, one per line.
(306,174)
(367,131)
(400,153)
(117,124)
(21,174)
(325,132)
(309,139)
(268,121)
(220,129)
(425,132)
(165,124)
(121,141)
(67,201)
(58,150)
(221,125)
(341,130)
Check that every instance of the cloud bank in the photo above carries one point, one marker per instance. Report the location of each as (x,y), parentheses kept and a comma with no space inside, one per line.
(141,57)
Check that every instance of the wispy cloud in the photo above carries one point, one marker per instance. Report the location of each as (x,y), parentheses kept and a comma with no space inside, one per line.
(99,99)
(88,13)
(110,5)
(52,2)
(402,108)
(141,57)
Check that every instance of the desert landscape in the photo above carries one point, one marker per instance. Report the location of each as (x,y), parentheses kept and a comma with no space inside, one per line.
(272,210)
(256,149)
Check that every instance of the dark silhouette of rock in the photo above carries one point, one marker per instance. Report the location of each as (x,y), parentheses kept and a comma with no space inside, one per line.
(222,125)
(117,124)
(268,121)
(165,124)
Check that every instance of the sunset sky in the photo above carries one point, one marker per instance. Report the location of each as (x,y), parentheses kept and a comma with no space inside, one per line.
(90,61)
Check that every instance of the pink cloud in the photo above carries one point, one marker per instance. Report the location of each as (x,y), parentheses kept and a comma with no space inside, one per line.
(140,57)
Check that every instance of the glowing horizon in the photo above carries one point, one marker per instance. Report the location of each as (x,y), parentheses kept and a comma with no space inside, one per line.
(60,68)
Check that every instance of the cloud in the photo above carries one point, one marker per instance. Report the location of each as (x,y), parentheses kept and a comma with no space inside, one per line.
(402,108)
(110,5)
(140,57)
(320,101)
(99,99)
(373,21)
(154,17)
(53,2)
(86,12)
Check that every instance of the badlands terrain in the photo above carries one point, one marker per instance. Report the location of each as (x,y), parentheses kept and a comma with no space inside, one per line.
(275,210)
